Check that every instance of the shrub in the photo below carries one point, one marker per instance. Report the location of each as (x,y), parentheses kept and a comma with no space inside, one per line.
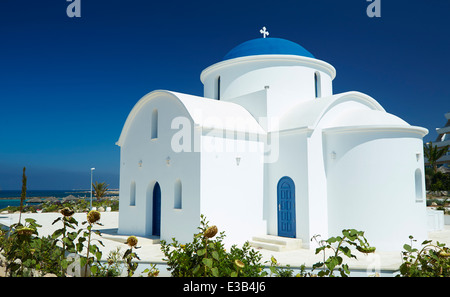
(206,256)
(431,260)
(340,245)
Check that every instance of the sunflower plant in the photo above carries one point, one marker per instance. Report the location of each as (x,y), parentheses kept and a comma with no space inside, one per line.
(432,260)
(18,248)
(206,256)
(340,246)
(67,238)
(129,255)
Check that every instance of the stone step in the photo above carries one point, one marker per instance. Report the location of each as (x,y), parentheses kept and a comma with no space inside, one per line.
(276,243)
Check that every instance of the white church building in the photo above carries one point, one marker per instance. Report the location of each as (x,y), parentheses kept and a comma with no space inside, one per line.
(271,150)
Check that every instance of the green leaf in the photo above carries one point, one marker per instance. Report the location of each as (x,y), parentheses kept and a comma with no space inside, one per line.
(30,220)
(215,255)
(404,269)
(66,240)
(317,265)
(208,262)
(346,250)
(407,248)
(94,269)
(332,239)
(331,263)
(319,249)
(196,269)
(201,252)
(55,221)
(215,271)
(57,233)
(83,261)
(93,248)
(72,235)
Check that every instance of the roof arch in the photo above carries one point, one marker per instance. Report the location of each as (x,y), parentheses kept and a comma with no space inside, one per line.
(203,112)
(314,113)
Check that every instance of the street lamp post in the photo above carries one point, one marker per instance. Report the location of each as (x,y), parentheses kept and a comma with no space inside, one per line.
(92,170)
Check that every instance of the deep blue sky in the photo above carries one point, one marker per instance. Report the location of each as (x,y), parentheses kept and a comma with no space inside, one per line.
(68,84)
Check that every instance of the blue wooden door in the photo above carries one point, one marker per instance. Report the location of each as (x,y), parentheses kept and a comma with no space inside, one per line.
(156,223)
(286,207)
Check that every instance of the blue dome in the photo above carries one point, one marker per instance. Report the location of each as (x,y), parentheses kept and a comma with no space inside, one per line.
(267,46)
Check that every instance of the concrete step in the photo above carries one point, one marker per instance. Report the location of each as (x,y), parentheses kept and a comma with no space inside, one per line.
(275,243)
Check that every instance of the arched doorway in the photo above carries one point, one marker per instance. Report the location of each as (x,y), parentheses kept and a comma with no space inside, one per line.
(156,210)
(286,207)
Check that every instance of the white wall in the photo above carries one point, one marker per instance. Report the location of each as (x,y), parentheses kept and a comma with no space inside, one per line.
(371,185)
(138,146)
(292,162)
(290,79)
(232,194)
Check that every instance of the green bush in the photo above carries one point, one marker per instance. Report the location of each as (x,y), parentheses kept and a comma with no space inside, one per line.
(340,246)
(432,260)
(206,256)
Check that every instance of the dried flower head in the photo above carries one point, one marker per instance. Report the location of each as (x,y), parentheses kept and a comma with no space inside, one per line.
(210,232)
(67,212)
(366,250)
(93,216)
(132,241)
(154,273)
(239,263)
(25,231)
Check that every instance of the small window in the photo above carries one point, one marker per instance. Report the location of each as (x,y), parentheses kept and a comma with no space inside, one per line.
(154,124)
(177,195)
(419,188)
(133,194)
(317,86)
(218,88)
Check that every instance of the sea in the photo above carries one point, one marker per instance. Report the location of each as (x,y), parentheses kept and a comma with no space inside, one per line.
(12,197)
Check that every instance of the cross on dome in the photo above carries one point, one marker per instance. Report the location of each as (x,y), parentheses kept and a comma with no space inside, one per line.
(264,32)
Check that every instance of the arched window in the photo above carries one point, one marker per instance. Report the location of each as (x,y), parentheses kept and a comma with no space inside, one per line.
(317,89)
(177,203)
(218,88)
(133,194)
(418,182)
(154,124)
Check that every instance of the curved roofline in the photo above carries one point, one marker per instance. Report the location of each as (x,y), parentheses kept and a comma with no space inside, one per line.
(318,108)
(352,95)
(362,128)
(137,107)
(190,103)
(300,60)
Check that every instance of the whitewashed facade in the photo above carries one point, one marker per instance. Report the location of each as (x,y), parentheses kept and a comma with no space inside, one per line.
(270,149)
